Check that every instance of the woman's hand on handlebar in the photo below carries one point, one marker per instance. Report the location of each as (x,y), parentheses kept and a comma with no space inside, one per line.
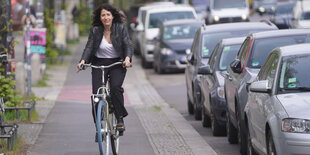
(79,66)
(126,63)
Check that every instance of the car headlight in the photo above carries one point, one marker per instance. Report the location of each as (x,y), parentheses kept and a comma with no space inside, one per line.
(216,18)
(296,125)
(244,17)
(166,51)
(261,9)
(221,92)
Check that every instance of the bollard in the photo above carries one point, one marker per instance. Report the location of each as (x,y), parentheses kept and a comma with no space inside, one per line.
(35,68)
(76,31)
(20,78)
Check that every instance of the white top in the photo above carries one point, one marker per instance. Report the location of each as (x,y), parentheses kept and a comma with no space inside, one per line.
(106,50)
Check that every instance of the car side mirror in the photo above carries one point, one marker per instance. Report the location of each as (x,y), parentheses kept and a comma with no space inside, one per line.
(260,87)
(204,70)
(236,66)
(190,58)
(139,27)
(157,38)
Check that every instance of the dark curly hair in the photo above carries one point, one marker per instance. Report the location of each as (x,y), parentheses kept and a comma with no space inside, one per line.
(118,17)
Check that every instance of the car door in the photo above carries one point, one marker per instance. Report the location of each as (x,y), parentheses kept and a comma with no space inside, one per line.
(142,35)
(190,68)
(262,101)
(141,28)
(158,44)
(232,80)
(209,79)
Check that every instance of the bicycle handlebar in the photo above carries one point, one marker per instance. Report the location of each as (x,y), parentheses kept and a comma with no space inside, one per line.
(101,67)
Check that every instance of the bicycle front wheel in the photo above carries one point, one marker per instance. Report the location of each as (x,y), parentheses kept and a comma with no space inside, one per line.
(103,130)
(114,137)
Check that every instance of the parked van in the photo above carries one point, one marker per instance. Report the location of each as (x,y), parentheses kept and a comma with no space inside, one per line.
(301,14)
(223,11)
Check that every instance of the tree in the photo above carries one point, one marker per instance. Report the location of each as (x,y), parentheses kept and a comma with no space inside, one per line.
(98,2)
(3,32)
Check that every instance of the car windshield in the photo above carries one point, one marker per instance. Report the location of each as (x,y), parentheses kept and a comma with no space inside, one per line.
(263,47)
(220,4)
(180,31)
(284,9)
(305,16)
(209,40)
(157,18)
(294,74)
(199,9)
(228,55)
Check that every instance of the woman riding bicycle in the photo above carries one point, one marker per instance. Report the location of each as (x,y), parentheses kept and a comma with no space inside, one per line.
(108,42)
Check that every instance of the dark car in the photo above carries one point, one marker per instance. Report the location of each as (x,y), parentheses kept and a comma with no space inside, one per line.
(264,6)
(283,14)
(205,40)
(173,44)
(212,83)
(244,69)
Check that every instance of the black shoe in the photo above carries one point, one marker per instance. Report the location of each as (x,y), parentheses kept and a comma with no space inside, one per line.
(120,125)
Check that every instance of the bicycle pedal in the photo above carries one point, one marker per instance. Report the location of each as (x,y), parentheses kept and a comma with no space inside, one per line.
(121,133)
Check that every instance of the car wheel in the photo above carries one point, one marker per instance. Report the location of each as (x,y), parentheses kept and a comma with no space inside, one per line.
(250,149)
(206,122)
(190,106)
(197,109)
(217,130)
(241,135)
(146,64)
(271,149)
(231,131)
(160,70)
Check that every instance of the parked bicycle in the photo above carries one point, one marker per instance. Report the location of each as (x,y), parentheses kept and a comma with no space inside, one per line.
(107,133)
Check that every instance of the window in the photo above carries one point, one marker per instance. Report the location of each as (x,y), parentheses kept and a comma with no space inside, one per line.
(229,53)
(243,51)
(294,75)
(157,18)
(180,31)
(214,55)
(269,69)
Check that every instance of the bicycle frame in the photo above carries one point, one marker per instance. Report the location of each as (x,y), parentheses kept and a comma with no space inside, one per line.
(108,129)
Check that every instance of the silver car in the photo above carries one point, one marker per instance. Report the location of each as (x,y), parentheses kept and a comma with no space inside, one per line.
(277,112)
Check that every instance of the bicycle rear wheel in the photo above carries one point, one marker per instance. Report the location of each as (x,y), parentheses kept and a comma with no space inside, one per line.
(103,130)
(114,137)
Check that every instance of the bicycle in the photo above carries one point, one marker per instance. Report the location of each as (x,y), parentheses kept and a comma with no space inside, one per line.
(107,133)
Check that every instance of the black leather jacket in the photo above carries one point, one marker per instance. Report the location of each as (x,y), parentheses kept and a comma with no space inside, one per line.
(119,38)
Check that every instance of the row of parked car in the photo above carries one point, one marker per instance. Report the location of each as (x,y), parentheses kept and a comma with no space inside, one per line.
(242,80)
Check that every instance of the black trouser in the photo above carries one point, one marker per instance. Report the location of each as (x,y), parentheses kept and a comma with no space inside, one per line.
(117,75)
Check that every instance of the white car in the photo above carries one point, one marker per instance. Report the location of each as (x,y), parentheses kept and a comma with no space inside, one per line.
(224,11)
(151,22)
(277,112)
(138,27)
(301,14)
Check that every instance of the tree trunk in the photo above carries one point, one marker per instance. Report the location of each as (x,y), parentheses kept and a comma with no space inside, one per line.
(3,33)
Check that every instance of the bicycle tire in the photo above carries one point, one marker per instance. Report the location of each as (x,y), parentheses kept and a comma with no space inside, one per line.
(104,136)
(115,137)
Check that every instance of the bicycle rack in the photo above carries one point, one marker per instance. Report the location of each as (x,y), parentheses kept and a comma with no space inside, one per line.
(7,131)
